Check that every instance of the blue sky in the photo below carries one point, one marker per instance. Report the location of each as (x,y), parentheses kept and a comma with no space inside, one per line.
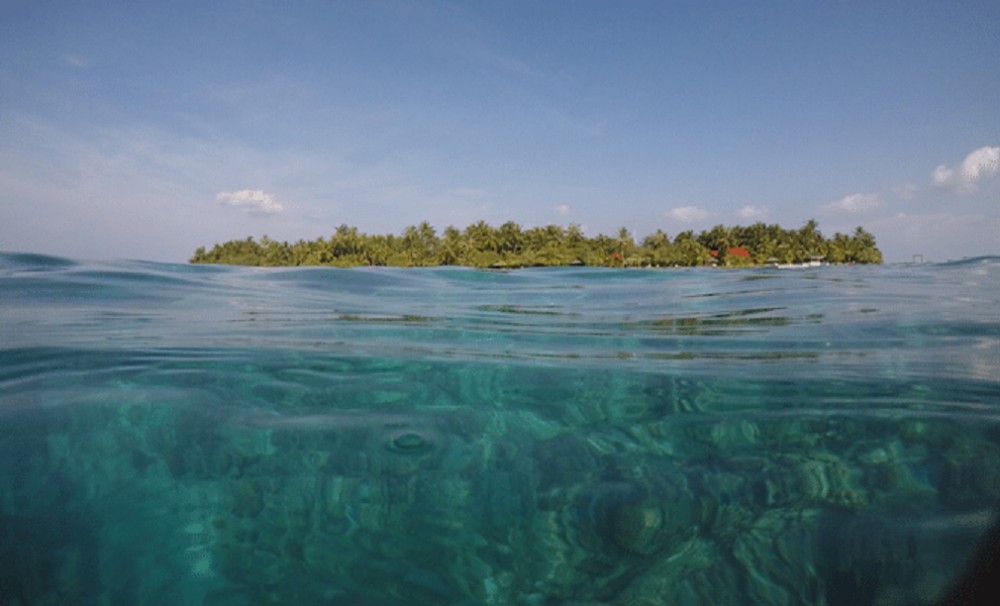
(145,129)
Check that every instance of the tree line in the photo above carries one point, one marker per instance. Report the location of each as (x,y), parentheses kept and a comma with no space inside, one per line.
(510,245)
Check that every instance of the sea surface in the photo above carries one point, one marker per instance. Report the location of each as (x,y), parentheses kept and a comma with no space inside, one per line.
(176,434)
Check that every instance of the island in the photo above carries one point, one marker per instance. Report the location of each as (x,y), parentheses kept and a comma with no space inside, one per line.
(510,246)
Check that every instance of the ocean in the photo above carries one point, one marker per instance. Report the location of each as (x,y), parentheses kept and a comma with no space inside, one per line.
(179,434)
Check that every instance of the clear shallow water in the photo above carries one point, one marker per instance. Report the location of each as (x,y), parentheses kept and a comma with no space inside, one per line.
(213,435)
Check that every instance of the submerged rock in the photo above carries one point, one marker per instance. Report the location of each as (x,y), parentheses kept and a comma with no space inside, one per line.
(409,442)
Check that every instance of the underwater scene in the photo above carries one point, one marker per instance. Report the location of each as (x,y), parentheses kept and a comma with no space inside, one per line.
(221,436)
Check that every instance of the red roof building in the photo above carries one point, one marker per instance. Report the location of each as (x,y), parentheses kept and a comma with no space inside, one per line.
(735,251)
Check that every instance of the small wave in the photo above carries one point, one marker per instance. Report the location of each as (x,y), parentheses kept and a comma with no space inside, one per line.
(972,261)
(24,262)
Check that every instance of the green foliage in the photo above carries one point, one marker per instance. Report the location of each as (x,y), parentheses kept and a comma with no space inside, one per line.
(482,245)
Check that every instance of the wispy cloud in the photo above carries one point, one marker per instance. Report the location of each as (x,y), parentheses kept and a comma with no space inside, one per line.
(906,191)
(562,209)
(78,61)
(467,193)
(752,213)
(854,204)
(253,201)
(981,164)
(686,214)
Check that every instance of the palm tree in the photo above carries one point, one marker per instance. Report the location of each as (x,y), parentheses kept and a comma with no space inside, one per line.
(688,251)
(450,250)
(510,239)
(862,247)
(481,237)
(838,248)
(810,240)
(626,247)
(420,245)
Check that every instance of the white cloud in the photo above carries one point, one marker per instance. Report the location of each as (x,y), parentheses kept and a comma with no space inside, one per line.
(942,176)
(981,164)
(750,213)
(254,201)
(686,214)
(854,204)
(562,209)
(984,162)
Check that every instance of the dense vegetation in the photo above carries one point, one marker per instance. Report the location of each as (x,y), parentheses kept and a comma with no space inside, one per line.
(481,245)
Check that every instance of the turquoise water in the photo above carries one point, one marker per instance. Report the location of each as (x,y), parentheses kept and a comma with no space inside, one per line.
(174,434)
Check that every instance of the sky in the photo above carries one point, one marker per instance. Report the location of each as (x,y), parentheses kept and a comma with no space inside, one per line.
(142,130)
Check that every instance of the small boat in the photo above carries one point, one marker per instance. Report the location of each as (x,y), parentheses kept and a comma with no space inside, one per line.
(814,261)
